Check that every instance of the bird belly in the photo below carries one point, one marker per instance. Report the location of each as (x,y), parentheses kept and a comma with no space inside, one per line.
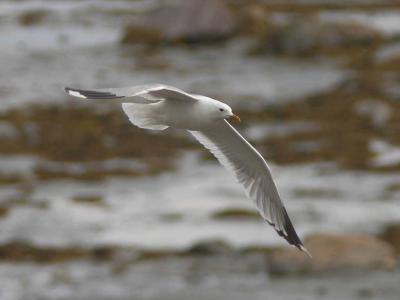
(183,115)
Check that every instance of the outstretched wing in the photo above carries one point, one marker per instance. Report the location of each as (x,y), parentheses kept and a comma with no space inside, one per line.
(137,94)
(251,170)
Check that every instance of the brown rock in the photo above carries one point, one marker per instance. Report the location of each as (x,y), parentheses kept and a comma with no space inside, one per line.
(3,211)
(211,247)
(237,214)
(20,251)
(33,17)
(190,21)
(334,252)
(392,235)
(141,34)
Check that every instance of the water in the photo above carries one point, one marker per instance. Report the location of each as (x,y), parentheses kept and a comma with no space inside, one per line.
(180,280)
(132,213)
(63,51)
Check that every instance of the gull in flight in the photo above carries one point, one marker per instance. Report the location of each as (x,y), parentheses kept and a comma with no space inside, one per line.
(158,106)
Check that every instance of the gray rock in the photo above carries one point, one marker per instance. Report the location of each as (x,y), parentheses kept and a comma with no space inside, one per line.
(190,21)
(305,37)
(210,247)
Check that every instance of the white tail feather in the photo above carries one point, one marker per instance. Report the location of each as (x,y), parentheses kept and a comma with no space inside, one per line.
(142,116)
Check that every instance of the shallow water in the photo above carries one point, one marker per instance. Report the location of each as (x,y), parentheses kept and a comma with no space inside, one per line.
(183,280)
(133,213)
(63,51)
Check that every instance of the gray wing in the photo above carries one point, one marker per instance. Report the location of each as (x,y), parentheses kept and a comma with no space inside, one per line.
(251,170)
(138,94)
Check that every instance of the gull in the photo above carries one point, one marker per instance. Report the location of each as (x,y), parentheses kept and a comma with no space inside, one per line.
(159,106)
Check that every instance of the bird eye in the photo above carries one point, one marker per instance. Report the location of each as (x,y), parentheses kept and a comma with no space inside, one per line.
(221,109)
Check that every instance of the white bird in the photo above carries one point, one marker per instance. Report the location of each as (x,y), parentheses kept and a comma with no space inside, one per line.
(158,106)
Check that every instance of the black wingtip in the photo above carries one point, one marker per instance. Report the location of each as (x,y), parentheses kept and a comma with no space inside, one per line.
(67,89)
(290,234)
(88,94)
(74,92)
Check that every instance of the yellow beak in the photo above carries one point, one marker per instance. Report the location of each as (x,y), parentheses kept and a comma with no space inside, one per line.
(235,117)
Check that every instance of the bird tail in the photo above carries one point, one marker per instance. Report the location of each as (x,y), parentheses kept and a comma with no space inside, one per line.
(142,115)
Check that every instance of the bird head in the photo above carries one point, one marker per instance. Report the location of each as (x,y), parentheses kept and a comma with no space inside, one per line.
(225,112)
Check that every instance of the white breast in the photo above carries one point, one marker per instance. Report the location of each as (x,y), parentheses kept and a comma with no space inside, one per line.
(185,115)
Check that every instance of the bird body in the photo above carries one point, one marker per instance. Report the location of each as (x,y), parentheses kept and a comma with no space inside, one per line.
(158,106)
(164,113)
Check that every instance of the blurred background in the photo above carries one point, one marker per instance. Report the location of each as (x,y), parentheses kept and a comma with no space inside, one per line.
(94,208)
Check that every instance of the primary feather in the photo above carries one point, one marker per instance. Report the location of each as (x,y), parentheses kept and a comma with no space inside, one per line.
(147,92)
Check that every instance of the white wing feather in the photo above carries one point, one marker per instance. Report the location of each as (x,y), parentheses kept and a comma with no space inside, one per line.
(251,170)
(136,94)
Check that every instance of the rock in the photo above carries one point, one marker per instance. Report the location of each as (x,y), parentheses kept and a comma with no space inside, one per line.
(209,248)
(391,234)
(141,34)
(89,199)
(306,37)
(191,21)
(334,253)
(237,214)
(33,17)
(22,252)
(19,251)
(365,292)
(316,193)
(10,178)
(3,211)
